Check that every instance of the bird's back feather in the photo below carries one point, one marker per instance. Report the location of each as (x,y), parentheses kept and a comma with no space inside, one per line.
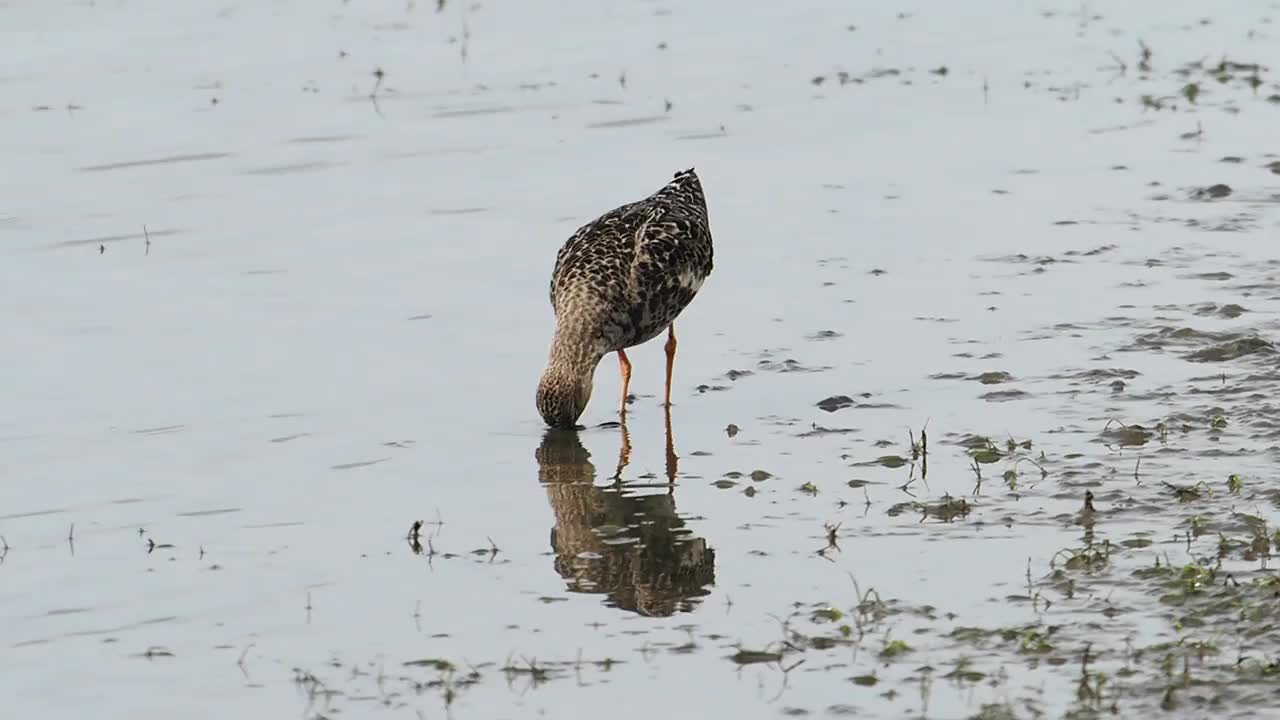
(624,277)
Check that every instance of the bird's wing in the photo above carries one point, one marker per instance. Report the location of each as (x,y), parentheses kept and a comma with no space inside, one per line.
(599,255)
(671,249)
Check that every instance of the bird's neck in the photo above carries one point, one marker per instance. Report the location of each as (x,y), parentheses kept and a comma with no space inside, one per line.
(572,354)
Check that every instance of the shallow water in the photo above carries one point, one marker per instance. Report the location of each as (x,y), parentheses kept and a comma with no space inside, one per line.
(268,309)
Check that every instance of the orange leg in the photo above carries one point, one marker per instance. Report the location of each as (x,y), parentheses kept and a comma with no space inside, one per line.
(672,458)
(624,453)
(671,359)
(624,366)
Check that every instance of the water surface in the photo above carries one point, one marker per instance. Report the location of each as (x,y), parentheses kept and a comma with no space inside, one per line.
(275,288)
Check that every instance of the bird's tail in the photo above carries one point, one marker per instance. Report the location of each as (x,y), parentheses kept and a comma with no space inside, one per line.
(684,189)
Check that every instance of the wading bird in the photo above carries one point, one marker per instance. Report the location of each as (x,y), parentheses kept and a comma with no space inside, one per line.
(618,282)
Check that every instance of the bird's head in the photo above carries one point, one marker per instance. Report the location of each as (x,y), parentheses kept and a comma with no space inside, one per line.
(563,393)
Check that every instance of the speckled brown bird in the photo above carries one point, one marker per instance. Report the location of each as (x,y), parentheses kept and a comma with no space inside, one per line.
(619,281)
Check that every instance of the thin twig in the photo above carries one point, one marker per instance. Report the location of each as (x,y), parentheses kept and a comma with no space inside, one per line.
(240,663)
(1123,67)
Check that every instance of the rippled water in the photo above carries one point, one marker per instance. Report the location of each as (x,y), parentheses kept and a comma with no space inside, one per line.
(274,285)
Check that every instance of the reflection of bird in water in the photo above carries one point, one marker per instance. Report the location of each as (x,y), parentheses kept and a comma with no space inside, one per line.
(633,548)
(619,281)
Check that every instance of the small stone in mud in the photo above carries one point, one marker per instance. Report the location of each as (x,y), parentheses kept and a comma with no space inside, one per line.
(994,377)
(835,402)
(825,335)
(1229,311)
(1127,435)
(735,374)
(820,430)
(731,430)
(1021,258)
(760,475)
(1231,159)
(1117,386)
(789,365)
(1213,192)
(1004,395)
(1101,249)
(1273,166)
(1100,374)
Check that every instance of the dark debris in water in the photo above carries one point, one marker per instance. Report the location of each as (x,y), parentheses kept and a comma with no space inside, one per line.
(819,430)
(840,402)
(994,377)
(1126,435)
(835,402)
(948,509)
(1024,259)
(1094,252)
(1212,192)
(1204,346)
(1239,221)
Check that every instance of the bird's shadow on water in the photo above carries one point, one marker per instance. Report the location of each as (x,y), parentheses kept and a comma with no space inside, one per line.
(615,541)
